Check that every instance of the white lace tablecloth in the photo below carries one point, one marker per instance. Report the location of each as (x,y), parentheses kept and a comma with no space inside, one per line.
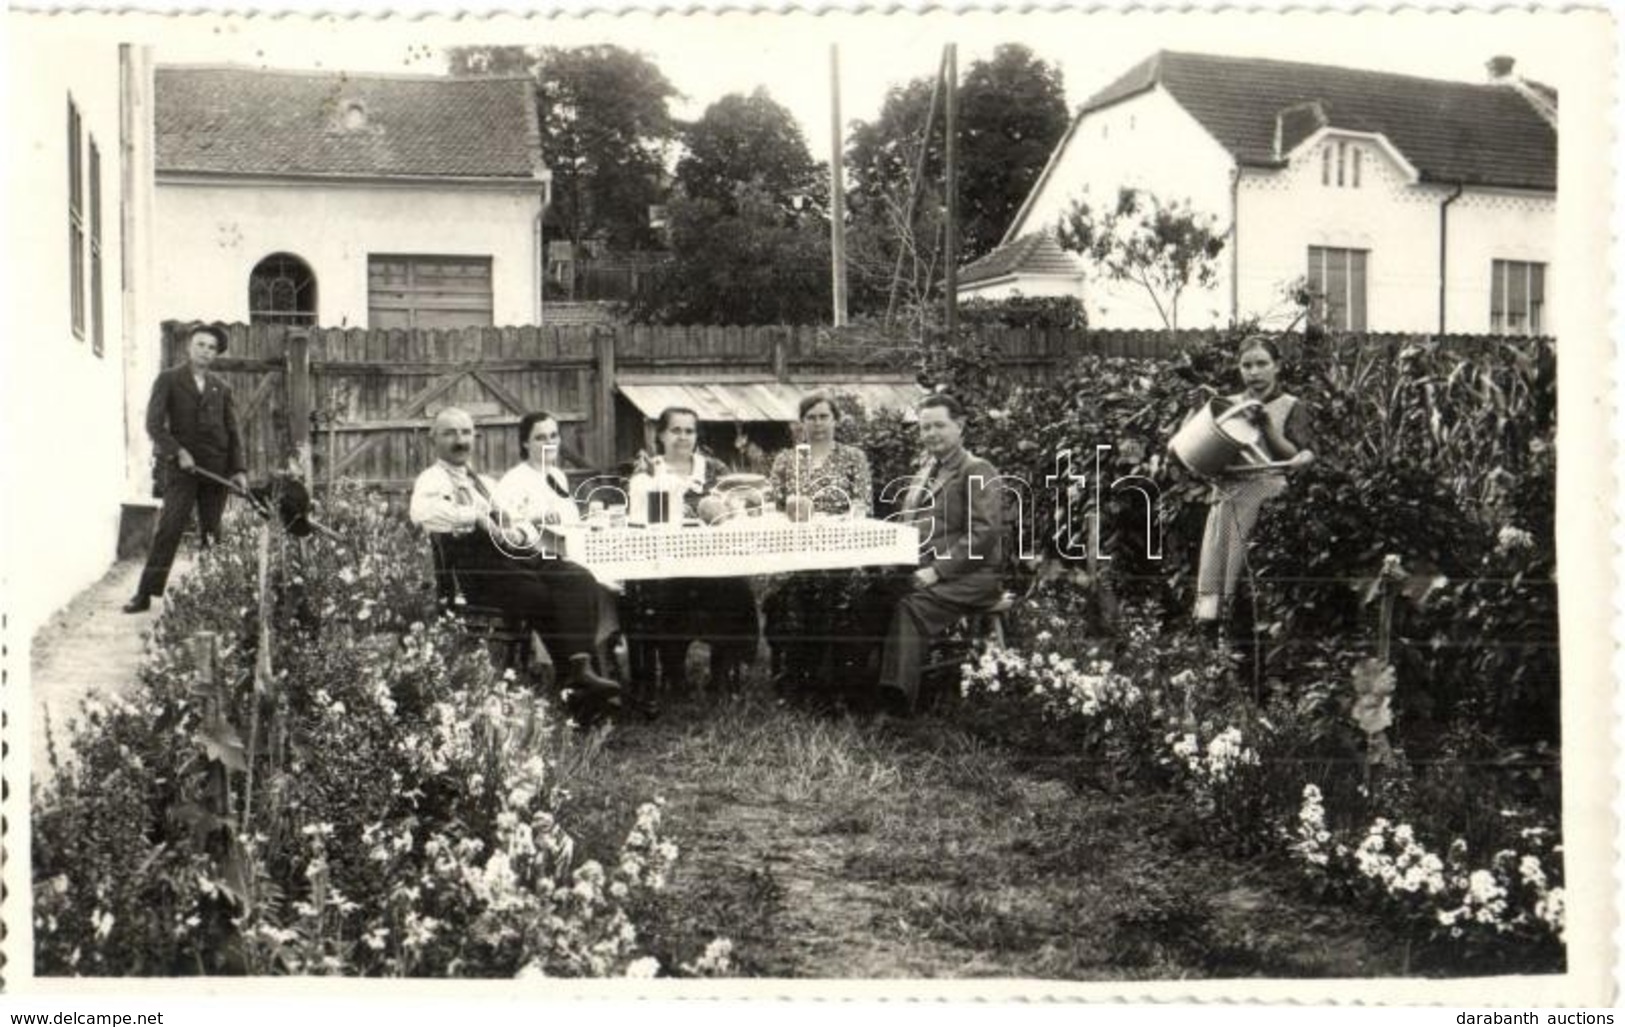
(741,547)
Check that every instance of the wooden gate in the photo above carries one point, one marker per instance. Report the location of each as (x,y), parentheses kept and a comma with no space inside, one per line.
(366,398)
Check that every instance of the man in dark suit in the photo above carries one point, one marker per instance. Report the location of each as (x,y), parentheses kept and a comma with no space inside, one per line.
(193,424)
(954,501)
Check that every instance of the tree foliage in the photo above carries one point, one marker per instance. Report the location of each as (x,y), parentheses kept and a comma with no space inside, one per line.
(748,235)
(748,140)
(1012,113)
(1164,247)
(605,132)
(739,262)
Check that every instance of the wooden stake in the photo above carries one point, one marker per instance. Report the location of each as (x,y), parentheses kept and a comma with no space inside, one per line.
(262,669)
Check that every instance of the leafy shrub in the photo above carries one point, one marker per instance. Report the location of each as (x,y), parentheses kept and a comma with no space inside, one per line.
(1444,457)
(372,799)
(1065,312)
(1440,454)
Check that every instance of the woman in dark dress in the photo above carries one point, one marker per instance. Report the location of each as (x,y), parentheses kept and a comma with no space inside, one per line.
(721,611)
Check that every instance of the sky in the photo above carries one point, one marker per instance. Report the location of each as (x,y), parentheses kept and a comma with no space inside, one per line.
(707,55)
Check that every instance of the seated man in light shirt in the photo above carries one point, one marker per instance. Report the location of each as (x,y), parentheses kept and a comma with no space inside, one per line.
(491,554)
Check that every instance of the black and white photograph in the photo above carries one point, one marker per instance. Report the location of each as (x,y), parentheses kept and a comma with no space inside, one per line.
(1058,503)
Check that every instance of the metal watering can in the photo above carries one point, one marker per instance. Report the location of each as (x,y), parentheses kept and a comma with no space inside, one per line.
(1211,442)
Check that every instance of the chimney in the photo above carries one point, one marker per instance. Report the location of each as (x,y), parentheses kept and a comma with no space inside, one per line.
(1500,67)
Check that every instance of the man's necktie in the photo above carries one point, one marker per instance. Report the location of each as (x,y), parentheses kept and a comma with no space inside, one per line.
(491,507)
(479,486)
(922,487)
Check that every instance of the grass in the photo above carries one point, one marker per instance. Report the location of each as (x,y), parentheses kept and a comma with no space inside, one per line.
(837,847)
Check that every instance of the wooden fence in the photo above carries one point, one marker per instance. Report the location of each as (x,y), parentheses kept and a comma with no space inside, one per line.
(367,397)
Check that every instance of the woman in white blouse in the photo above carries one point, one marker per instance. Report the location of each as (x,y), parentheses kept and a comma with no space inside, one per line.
(537,490)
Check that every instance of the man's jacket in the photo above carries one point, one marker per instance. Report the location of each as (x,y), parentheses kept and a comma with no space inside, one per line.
(204,424)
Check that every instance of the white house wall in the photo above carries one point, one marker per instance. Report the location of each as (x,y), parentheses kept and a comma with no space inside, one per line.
(1285,212)
(64,427)
(210,236)
(1488,226)
(1022,285)
(1148,142)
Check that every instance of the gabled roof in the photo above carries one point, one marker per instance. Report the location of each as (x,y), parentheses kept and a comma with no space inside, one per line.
(245,121)
(1477,134)
(1037,253)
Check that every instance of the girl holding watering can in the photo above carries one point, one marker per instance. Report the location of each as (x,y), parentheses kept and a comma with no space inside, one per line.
(1273,437)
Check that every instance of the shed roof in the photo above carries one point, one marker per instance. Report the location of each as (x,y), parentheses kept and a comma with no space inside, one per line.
(1037,253)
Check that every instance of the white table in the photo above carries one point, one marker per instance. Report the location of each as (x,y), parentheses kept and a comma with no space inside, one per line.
(739,547)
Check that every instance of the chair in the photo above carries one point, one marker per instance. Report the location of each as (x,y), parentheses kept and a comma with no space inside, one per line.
(503,633)
(956,646)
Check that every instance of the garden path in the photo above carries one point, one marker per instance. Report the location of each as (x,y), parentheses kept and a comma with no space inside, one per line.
(89,645)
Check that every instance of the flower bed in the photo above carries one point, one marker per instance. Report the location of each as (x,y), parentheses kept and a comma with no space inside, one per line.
(368,796)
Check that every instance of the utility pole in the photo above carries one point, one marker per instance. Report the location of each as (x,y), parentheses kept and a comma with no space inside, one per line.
(837,172)
(951,156)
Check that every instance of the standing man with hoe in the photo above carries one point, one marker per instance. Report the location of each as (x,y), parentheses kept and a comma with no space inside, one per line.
(193,424)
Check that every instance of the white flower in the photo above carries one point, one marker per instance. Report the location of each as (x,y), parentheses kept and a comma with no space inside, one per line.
(644,968)
(1513,539)
(1529,870)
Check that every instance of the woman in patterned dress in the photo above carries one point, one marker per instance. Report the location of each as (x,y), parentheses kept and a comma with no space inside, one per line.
(805,611)
(1286,435)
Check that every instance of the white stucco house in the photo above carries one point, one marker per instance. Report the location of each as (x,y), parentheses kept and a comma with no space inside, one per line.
(75,374)
(1404,203)
(342,199)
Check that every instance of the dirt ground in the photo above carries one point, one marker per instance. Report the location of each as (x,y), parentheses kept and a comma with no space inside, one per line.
(90,645)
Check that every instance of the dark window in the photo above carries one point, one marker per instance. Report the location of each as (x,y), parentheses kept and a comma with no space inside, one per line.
(1517,297)
(1340,164)
(76,222)
(1337,283)
(98,329)
(428,292)
(281,291)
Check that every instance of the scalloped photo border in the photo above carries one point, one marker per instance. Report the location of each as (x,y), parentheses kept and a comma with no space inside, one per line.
(1590,366)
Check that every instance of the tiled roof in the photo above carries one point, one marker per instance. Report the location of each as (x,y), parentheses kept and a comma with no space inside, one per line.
(1037,253)
(228,120)
(1486,134)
